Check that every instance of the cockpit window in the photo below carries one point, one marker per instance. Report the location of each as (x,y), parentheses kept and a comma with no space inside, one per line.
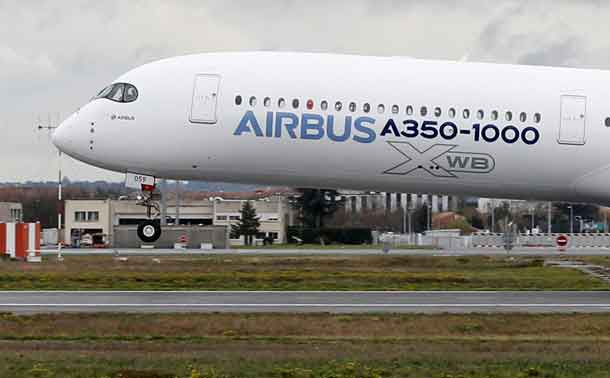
(119,92)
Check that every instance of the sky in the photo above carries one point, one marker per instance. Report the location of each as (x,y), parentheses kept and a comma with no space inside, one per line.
(55,55)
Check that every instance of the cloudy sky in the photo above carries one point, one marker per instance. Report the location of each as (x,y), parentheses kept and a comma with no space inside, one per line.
(54,55)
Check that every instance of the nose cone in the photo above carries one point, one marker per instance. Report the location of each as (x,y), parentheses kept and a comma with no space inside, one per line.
(61,138)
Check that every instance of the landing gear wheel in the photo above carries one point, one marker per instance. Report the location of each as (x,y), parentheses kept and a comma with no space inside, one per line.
(149,231)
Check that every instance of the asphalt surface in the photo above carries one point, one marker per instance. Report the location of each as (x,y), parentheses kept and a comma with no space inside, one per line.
(347,252)
(302,302)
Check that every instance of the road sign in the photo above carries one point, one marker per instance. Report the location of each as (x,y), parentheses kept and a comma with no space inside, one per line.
(562,242)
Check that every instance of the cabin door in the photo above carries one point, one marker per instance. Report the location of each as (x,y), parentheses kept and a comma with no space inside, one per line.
(205,99)
(573,120)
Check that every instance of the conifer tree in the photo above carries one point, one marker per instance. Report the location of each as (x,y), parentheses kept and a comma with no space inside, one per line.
(248,224)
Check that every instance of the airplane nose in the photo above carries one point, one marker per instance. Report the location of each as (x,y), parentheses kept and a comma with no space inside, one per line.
(61,137)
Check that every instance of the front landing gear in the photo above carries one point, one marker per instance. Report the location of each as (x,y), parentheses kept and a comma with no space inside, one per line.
(149,231)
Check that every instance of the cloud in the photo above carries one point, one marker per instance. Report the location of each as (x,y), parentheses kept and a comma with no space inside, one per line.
(55,54)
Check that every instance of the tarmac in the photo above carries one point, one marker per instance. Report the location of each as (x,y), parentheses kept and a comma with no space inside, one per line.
(528,251)
(28,302)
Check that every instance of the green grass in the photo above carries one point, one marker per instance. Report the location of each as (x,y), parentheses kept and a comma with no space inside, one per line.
(304,345)
(233,272)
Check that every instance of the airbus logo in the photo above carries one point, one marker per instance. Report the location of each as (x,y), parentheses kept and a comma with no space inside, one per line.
(440,160)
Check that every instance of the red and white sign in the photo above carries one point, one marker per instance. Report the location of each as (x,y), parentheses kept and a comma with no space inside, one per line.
(562,242)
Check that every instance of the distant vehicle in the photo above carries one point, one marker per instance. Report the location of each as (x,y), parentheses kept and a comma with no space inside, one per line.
(341,121)
(86,240)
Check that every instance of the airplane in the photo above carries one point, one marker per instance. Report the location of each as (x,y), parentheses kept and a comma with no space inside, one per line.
(393,124)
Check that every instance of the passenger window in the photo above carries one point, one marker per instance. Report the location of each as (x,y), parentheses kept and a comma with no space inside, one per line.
(281,103)
(466,113)
(366,107)
(352,107)
(338,106)
(295,103)
(267,102)
(523,117)
(131,93)
(480,114)
(395,109)
(452,113)
(324,105)
(409,110)
(380,109)
(437,112)
(509,116)
(494,115)
(253,101)
(537,118)
(238,100)
(423,111)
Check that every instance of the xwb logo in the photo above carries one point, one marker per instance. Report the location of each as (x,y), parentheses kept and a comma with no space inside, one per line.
(440,160)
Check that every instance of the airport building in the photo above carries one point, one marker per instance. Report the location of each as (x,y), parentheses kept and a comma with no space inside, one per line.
(356,202)
(11,212)
(99,218)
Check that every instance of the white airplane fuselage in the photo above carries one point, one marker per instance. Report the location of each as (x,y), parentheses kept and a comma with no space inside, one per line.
(517,132)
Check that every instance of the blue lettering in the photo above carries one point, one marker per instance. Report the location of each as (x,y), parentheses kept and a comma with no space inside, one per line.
(247,124)
(390,127)
(269,131)
(312,123)
(347,130)
(359,125)
(291,125)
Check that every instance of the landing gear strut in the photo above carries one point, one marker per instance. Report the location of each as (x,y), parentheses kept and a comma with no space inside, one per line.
(149,231)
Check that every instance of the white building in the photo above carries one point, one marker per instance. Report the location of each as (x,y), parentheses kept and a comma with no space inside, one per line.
(99,217)
(11,212)
(356,202)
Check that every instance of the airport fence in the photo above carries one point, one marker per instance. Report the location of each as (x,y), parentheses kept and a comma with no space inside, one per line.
(580,240)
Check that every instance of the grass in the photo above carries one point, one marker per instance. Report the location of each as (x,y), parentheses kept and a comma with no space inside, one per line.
(311,345)
(232,272)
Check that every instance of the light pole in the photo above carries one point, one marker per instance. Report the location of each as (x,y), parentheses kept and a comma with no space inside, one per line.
(550,218)
(533,214)
(492,210)
(571,219)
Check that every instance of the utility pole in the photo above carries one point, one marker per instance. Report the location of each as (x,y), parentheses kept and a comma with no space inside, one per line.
(59,210)
(49,127)
(571,219)
(178,189)
(550,218)
(163,203)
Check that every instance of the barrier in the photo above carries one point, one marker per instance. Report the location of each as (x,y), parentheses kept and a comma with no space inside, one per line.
(20,240)
(2,238)
(10,240)
(34,234)
(585,240)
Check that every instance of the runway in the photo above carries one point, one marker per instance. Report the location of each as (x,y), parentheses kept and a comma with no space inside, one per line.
(25,302)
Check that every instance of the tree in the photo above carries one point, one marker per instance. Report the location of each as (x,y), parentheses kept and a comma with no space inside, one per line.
(247,225)
(314,205)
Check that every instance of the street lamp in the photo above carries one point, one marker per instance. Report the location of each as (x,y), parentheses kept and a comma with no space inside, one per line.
(571,219)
